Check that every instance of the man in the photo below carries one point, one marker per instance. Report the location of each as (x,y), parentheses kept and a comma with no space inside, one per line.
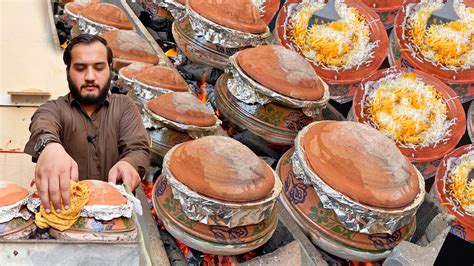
(89,133)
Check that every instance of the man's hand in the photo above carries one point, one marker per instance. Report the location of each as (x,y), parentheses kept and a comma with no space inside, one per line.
(125,172)
(54,171)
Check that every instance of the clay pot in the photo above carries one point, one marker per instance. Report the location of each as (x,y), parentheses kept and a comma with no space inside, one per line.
(464,224)
(387,10)
(241,15)
(17,228)
(359,162)
(213,239)
(129,47)
(73,10)
(221,168)
(470,121)
(342,84)
(274,122)
(282,71)
(462,81)
(183,108)
(425,159)
(12,202)
(108,14)
(323,226)
(90,228)
(198,50)
(126,75)
(164,139)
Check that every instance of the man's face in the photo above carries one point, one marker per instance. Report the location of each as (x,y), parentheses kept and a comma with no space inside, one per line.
(89,73)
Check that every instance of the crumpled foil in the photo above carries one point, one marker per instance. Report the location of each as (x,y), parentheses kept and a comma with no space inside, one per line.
(214,212)
(177,10)
(71,16)
(223,36)
(90,27)
(249,91)
(353,215)
(98,212)
(147,92)
(194,132)
(7,213)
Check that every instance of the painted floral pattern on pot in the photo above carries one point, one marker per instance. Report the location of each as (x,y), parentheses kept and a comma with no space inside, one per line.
(276,123)
(314,217)
(169,210)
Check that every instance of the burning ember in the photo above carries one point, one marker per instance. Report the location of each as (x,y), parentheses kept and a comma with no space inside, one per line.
(202,91)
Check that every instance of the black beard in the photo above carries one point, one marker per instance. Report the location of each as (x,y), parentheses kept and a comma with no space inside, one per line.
(89,99)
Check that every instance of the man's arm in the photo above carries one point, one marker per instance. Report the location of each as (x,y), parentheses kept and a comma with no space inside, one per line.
(45,123)
(133,147)
(54,167)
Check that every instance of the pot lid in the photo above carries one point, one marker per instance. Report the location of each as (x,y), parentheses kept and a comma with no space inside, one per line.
(132,70)
(182,107)
(108,14)
(102,193)
(76,8)
(162,77)
(282,70)
(361,163)
(11,193)
(240,15)
(129,45)
(222,168)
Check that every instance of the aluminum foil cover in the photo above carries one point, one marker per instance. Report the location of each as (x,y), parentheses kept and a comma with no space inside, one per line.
(73,17)
(249,91)
(223,36)
(151,6)
(177,10)
(99,212)
(90,27)
(353,215)
(194,132)
(147,92)
(214,212)
(7,213)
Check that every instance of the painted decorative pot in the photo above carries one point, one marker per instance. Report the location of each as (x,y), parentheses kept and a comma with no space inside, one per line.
(17,228)
(104,200)
(342,83)
(470,121)
(401,54)
(323,226)
(387,10)
(426,159)
(463,226)
(275,123)
(198,50)
(213,239)
(164,139)
(16,222)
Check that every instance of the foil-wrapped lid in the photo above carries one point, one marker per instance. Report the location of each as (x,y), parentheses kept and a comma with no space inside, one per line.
(162,77)
(241,15)
(222,168)
(130,46)
(182,107)
(361,163)
(102,193)
(75,8)
(281,70)
(11,193)
(108,14)
(130,71)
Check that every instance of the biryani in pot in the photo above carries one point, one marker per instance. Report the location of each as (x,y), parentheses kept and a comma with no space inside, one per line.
(408,110)
(458,184)
(339,45)
(449,46)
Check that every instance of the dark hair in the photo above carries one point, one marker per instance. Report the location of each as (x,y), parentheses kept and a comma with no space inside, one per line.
(85,39)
